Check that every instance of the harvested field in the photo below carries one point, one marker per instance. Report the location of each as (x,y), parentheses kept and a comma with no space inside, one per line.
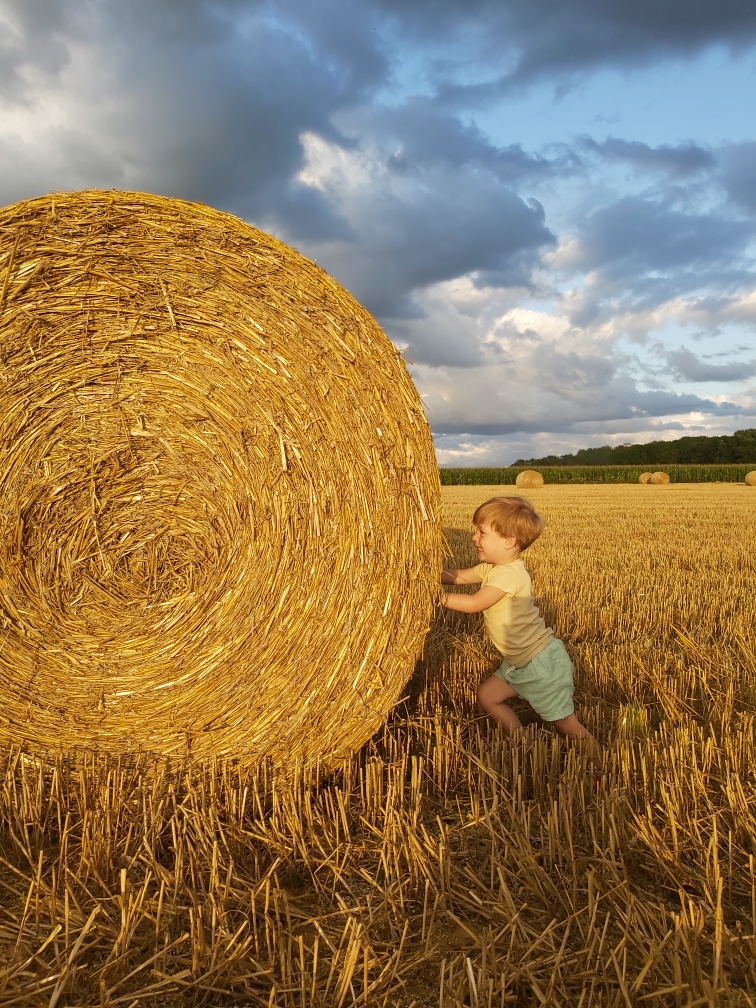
(443,866)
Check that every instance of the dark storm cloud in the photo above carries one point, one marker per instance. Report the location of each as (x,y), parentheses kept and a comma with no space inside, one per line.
(645,252)
(31,37)
(449,224)
(739,164)
(689,367)
(244,91)
(566,417)
(440,202)
(419,132)
(207,100)
(636,235)
(545,386)
(681,159)
(587,33)
(528,40)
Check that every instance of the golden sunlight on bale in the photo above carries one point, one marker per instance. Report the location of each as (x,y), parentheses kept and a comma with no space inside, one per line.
(645,477)
(751,478)
(529,479)
(219,512)
(658,479)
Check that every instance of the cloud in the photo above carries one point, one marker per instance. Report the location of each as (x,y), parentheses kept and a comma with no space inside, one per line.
(582,33)
(714,310)
(639,235)
(687,366)
(739,163)
(497,400)
(540,373)
(202,100)
(420,133)
(540,40)
(224,103)
(420,227)
(31,37)
(679,160)
(639,255)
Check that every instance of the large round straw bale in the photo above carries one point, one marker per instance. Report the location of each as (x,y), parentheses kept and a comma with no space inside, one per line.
(529,479)
(645,477)
(658,478)
(219,510)
(751,478)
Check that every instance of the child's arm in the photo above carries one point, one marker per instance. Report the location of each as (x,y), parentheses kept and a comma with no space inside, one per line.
(482,599)
(460,577)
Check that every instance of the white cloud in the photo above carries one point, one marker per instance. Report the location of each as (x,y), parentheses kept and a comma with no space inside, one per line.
(335,170)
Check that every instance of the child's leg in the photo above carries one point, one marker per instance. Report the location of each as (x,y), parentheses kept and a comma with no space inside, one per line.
(492,693)
(572,729)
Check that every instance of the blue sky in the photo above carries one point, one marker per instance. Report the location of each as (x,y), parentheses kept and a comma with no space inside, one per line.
(550,205)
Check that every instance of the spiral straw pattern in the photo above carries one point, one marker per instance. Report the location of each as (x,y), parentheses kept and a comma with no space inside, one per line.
(218,496)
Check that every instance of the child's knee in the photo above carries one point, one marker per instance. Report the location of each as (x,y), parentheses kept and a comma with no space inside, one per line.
(493,691)
(484,694)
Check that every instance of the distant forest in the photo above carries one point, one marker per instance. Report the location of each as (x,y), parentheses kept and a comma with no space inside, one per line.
(737,447)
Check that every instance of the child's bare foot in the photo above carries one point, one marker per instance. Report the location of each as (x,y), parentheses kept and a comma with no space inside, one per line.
(586,743)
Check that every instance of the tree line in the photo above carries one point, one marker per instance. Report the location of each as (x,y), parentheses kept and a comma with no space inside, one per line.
(739,447)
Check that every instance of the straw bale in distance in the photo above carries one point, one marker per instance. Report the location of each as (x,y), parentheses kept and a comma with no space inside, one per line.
(218,517)
(658,478)
(529,479)
(645,477)
(751,478)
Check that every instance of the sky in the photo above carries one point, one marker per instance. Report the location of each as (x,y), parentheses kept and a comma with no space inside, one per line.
(549,205)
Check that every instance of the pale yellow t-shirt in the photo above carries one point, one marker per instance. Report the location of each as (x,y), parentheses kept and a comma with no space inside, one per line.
(513,623)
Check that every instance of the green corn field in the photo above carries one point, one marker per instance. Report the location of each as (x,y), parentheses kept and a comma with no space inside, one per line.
(507,475)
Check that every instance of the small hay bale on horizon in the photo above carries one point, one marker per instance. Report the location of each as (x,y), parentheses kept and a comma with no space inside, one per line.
(645,477)
(529,479)
(659,479)
(219,527)
(750,479)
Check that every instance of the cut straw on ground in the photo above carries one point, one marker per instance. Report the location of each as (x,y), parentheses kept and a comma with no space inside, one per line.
(444,865)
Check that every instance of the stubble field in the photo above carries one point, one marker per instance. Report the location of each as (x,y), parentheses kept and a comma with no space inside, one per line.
(444,865)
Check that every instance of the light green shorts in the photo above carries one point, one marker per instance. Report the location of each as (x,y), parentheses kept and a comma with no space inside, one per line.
(545,682)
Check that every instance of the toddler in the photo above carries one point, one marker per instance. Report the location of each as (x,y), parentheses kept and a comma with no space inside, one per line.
(536,665)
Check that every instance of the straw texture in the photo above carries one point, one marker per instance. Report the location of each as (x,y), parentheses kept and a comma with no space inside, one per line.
(658,479)
(529,479)
(219,511)
(751,478)
(645,477)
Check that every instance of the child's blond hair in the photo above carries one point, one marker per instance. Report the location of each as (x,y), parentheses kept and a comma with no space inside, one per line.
(511,516)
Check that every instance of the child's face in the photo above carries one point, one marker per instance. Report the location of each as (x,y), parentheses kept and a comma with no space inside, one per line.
(493,548)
